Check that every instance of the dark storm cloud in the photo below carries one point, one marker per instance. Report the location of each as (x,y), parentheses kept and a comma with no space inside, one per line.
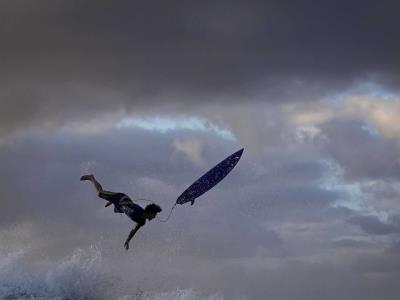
(100,56)
(372,225)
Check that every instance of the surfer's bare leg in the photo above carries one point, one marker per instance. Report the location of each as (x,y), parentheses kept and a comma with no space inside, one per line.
(96,184)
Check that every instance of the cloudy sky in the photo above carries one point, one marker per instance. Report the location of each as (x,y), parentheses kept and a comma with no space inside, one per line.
(148,95)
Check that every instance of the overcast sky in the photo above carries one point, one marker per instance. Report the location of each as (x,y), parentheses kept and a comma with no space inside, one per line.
(148,95)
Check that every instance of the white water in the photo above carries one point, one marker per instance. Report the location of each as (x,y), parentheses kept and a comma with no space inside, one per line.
(77,277)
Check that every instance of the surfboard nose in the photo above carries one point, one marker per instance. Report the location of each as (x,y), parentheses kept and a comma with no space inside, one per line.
(240,152)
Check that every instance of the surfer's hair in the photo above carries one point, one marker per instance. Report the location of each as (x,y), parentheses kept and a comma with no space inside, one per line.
(152,208)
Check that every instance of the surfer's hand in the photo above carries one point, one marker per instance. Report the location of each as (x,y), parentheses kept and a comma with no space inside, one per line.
(126,245)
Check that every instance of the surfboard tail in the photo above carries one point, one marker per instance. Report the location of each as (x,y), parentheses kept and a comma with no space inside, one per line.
(183,199)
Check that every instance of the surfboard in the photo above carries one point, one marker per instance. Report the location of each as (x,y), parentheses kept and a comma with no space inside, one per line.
(210,179)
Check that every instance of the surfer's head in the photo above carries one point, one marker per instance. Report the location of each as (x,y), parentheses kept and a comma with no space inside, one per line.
(151,211)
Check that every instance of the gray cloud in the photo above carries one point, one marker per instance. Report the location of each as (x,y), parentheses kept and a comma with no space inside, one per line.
(66,61)
(362,154)
(349,243)
(372,225)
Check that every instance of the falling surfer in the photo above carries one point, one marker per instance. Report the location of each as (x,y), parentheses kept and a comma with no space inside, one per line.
(123,204)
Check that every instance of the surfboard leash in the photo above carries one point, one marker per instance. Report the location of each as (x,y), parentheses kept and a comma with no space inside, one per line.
(170,213)
(158,219)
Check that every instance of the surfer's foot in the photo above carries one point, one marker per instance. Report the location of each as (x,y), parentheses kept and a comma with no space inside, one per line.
(108,204)
(87,177)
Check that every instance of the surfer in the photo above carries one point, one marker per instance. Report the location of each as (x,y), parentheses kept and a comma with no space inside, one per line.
(123,204)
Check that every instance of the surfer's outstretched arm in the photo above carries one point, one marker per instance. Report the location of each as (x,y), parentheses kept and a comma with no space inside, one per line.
(96,184)
(130,236)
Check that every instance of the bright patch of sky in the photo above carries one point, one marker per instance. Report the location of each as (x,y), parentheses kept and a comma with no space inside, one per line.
(370,88)
(370,129)
(375,90)
(166,124)
(352,195)
(351,191)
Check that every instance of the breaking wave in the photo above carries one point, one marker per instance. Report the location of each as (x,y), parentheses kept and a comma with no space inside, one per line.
(77,277)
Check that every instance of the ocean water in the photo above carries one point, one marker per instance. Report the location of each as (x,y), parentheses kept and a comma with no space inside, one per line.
(77,277)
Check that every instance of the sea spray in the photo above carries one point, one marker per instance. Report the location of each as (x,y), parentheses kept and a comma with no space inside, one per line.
(186,294)
(78,276)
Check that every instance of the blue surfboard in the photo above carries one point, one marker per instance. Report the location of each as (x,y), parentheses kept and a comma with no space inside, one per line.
(210,179)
